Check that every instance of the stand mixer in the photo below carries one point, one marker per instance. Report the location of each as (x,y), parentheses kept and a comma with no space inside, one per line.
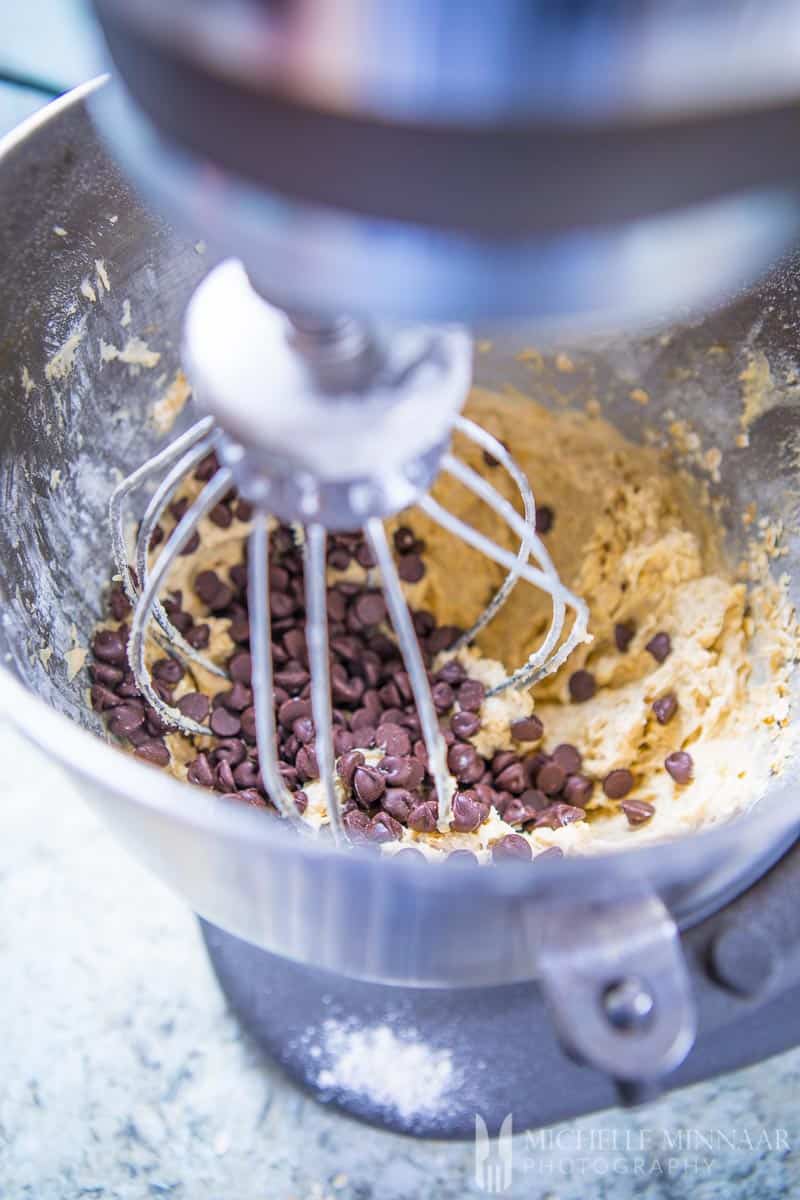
(410,189)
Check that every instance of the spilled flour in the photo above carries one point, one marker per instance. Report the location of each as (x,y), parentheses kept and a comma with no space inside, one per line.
(394,1071)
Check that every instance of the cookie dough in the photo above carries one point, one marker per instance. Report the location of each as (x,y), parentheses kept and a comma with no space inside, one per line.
(630,534)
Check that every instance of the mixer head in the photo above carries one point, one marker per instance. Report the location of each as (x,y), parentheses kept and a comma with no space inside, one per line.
(609,161)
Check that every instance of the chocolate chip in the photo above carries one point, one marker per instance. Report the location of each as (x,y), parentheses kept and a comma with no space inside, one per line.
(224,723)
(343,740)
(239,630)
(404,772)
(659,646)
(503,759)
(103,699)
(292,677)
(665,708)
(568,758)
(207,467)
(534,801)
(533,764)
(384,828)
(154,752)
(527,729)
(105,674)
(167,670)
(221,515)
(443,696)
(281,605)
(551,778)
(347,765)
(237,699)
(422,818)
(198,636)
(300,801)
(465,724)
(404,539)
(512,778)
(125,719)
(393,739)
(370,608)
(618,783)
(207,584)
(368,784)
(637,811)
(557,815)
(289,775)
(411,569)
(471,694)
(624,632)
(290,710)
(578,790)
(424,622)
(398,802)
(680,765)
(356,823)
(230,750)
(364,557)
(199,771)
(515,812)
(191,545)
(109,647)
(512,847)
(303,730)
(118,603)
(248,722)
(253,798)
(550,852)
(247,775)
(468,813)
(544,518)
(451,672)
(465,762)
(194,705)
(306,764)
(582,686)
(294,641)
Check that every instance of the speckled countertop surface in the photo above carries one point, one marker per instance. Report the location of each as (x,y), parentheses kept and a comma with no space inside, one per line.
(124,1076)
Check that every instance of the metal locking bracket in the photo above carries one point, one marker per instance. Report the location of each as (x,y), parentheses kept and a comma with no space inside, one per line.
(617,986)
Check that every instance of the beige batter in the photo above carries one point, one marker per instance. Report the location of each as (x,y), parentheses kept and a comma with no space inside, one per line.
(632,537)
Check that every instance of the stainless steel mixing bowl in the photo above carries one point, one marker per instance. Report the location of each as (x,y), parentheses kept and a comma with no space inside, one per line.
(70,425)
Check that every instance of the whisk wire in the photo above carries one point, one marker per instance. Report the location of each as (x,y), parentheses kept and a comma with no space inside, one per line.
(211,495)
(317,641)
(263,684)
(164,458)
(497,450)
(546,660)
(177,644)
(409,648)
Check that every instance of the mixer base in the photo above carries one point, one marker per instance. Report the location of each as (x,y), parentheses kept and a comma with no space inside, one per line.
(496,1043)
